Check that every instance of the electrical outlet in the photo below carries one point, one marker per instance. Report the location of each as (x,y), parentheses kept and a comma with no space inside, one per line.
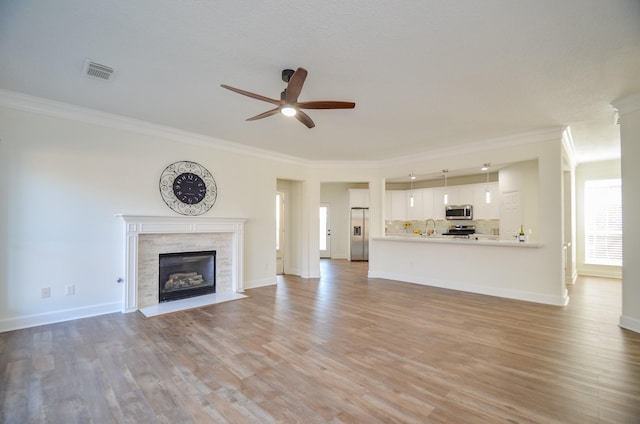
(46,292)
(70,289)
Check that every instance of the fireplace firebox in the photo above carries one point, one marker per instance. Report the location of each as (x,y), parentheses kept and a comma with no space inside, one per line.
(186,274)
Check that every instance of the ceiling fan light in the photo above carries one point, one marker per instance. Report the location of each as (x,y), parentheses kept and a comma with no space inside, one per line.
(287,110)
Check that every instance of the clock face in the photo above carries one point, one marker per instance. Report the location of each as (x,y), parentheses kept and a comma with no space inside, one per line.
(188,188)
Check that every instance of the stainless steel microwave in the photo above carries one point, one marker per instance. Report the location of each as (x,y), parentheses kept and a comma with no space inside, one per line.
(453,212)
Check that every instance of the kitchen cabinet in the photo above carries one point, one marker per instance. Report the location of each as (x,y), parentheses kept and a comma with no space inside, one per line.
(438,201)
(482,209)
(416,212)
(427,203)
(396,205)
(465,195)
(359,197)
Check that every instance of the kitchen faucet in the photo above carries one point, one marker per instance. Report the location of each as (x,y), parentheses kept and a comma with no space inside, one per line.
(427,231)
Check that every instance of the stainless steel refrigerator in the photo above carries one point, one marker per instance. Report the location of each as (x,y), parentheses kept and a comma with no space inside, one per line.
(359,234)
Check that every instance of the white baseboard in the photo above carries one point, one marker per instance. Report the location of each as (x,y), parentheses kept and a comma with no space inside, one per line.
(629,323)
(615,273)
(263,282)
(473,288)
(572,278)
(293,271)
(27,321)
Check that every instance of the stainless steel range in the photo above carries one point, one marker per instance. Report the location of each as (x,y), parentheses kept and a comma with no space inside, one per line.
(461,231)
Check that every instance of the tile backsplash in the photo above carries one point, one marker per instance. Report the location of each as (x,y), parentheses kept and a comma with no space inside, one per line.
(488,226)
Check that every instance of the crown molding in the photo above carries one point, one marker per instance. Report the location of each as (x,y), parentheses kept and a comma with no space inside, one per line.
(627,104)
(38,105)
(546,134)
(343,164)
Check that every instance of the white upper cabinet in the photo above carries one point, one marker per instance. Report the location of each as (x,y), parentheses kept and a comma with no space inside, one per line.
(429,202)
(415,212)
(465,195)
(387,205)
(482,209)
(396,205)
(438,201)
(359,197)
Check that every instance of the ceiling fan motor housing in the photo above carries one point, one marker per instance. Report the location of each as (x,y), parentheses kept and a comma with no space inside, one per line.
(286,74)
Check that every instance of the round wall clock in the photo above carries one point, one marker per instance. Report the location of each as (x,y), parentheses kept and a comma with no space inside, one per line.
(188,188)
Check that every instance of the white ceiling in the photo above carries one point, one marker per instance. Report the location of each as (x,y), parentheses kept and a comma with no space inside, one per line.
(424,74)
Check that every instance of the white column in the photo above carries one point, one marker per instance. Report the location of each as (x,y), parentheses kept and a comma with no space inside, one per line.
(629,111)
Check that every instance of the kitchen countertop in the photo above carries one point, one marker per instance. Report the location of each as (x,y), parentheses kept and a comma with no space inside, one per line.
(475,239)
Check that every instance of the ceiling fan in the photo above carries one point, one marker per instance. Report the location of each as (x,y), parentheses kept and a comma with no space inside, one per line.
(288,104)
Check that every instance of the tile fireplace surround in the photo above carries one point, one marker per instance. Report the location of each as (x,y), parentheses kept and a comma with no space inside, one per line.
(148,236)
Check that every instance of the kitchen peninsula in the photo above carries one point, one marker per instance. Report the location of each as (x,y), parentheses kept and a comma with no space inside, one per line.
(491,260)
(474,239)
(502,268)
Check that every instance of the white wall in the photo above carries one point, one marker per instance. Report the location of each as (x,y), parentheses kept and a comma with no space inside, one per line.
(584,172)
(293,225)
(629,109)
(63,183)
(520,178)
(569,216)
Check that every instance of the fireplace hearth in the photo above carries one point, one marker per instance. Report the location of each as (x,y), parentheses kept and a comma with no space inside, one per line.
(186,274)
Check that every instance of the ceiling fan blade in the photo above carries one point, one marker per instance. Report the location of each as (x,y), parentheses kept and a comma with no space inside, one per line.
(252,95)
(326,104)
(305,119)
(295,85)
(264,114)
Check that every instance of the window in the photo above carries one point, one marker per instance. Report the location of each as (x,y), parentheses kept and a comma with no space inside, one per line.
(603,222)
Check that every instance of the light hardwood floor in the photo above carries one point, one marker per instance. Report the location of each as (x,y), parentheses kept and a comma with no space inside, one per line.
(341,349)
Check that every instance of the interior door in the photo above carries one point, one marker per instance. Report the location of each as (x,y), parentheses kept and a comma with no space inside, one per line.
(325,230)
(279,233)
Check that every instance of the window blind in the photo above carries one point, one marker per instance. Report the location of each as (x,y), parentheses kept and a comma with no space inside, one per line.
(603,222)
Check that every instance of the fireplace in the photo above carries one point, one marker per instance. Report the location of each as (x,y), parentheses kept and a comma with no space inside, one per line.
(186,274)
(147,237)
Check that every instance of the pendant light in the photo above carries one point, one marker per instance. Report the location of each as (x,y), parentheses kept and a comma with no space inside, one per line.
(446,192)
(487,192)
(411,178)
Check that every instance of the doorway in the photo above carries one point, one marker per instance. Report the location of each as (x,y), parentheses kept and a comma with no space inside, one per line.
(280,233)
(325,231)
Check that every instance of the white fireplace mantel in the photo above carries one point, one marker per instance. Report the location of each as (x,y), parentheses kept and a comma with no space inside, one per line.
(135,225)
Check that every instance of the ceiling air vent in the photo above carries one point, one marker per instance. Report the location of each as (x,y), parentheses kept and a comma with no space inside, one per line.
(98,71)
